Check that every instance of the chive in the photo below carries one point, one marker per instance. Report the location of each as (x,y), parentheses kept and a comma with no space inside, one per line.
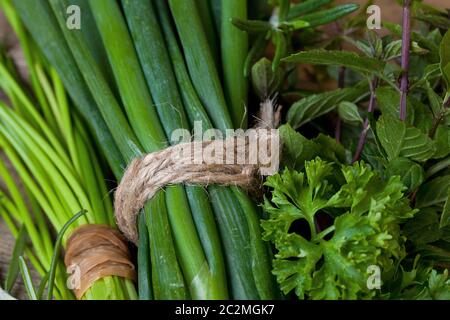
(125,138)
(42,286)
(13,270)
(205,12)
(56,252)
(234,48)
(231,219)
(27,279)
(144,273)
(260,253)
(131,82)
(27,49)
(236,241)
(153,56)
(192,104)
(157,68)
(41,23)
(209,236)
(168,283)
(200,62)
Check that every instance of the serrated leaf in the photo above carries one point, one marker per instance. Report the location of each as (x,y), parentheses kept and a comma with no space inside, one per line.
(296,148)
(265,81)
(348,112)
(445,217)
(411,173)
(388,100)
(319,18)
(316,105)
(436,102)
(338,58)
(444,52)
(433,192)
(442,141)
(424,227)
(393,50)
(399,140)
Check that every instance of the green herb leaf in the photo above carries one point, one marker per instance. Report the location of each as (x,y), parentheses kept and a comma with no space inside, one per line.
(433,192)
(57,252)
(326,16)
(444,52)
(366,233)
(348,112)
(399,140)
(26,276)
(388,100)
(338,58)
(411,173)
(265,81)
(296,148)
(445,217)
(319,104)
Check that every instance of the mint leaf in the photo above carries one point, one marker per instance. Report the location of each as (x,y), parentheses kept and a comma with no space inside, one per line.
(338,58)
(349,113)
(265,81)
(433,192)
(399,140)
(411,173)
(296,148)
(444,53)
(317,105)
(442,142)
(445,217)
(388,100)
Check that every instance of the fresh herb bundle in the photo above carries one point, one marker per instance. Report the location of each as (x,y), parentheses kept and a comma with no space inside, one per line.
(361,210)
(332,221)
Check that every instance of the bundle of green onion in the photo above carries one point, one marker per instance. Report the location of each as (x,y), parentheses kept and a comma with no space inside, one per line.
(136,71)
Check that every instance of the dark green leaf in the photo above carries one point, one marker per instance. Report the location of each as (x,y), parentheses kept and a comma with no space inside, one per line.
(444,52)
(251,26)
(433,192)
(319,104)
(296,148)
(265,81)
(411,173)
(399,140)
(57,252)
(338,58)
(388,100)
(442,141)
(424,227)
(348,112)
(445,217)
(326,16)
(306,7)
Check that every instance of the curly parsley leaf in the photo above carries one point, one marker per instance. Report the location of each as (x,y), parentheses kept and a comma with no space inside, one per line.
(333,264)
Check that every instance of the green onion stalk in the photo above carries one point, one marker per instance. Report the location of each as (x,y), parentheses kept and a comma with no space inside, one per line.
(192,244)
(48,145)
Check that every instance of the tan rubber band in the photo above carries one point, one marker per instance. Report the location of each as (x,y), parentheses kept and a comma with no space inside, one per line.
(94,252)
(173,165)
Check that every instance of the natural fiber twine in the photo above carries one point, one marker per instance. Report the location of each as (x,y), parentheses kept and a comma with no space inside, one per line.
(179,164)
(96,251)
